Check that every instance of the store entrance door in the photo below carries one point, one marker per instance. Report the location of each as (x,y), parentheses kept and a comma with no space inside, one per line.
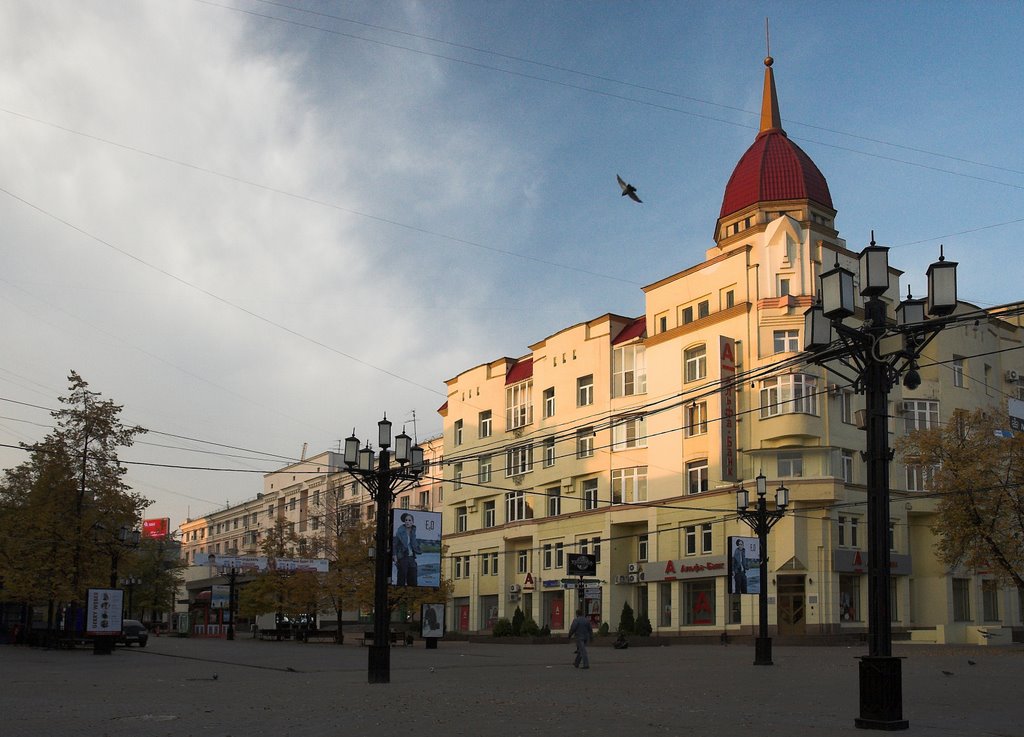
(789,612)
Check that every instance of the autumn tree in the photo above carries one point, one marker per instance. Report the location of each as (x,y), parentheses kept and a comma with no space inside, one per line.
(978,472)
(63,509)
(272,590)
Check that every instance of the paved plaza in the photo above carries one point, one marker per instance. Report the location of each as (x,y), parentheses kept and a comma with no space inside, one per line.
(248,688)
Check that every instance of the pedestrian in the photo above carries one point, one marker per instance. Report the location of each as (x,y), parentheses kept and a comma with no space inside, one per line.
(580,629)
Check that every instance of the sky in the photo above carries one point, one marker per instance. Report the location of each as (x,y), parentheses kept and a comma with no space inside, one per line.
(260,225)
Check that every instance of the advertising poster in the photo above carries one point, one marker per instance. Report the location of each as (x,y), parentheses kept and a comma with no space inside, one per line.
(432,620)
(220,596)
(744,565)
(103,611)
(156,529)
(415,548)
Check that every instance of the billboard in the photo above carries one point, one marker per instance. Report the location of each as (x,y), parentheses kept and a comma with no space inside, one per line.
(431,620)
(415,548)
(744,565)
(580,564)
(156,528)
(727,366)
(255,563)
(220,596)
(103,611)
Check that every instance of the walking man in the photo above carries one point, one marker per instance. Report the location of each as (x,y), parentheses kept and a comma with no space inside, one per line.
(580,629)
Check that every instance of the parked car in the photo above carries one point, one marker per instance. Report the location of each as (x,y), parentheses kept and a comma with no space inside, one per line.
(132,630)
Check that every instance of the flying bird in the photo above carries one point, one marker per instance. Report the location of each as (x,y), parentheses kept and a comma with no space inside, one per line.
(628,190)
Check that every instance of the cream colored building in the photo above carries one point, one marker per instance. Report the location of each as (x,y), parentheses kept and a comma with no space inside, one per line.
(616,437)
(312,497)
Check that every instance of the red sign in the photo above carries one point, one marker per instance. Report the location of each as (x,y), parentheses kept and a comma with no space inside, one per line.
(156,528)
(728,396)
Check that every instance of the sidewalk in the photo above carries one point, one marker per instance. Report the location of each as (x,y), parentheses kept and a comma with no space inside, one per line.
(248,688)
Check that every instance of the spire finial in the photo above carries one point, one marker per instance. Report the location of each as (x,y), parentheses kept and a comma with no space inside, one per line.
(770,118)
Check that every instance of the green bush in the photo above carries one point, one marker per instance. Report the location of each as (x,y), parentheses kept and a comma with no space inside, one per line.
(545,631)
(627,624)
(603,629)
(643,626)
(502,628)
(530,627)
(517,622)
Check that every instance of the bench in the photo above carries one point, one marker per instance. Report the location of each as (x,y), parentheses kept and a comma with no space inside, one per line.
(396,638)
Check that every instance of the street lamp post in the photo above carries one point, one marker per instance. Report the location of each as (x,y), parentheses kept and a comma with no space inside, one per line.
(130,582)
(877,352)
(761,521)
(232,602)
(383,482)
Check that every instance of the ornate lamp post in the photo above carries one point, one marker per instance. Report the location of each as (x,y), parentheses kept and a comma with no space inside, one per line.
(877,352)
(383,482)
(761,521)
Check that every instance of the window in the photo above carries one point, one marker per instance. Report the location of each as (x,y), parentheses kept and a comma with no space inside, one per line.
(696,419)
(517,507)
(484,476)
(629,371)
(848,531)
(961,600)
(546,555)
(695,361)
(921,414)
(458,432)
(461,519)
(703,309)
(589,492)
(642,547)
(988,379)
(465,565)
(596,542)
(846,406)
(787,341)
(522,561)
(919,478)
(958,371)
(485,564)
(849,599)
(662,323)
(629,485)
(846,459)
(585,390)
(485,424)
(549,402)
(494,564)
(697,476)
(730,299)
(989,600)
(519,460)
(554,501)
(458,475)
(403,503)
(892,535)
(629,432)
(559,556)
(687,315)
(585,442)
(549,451)
(518,405)
(706,540)
(457,571)
(783,287)
(665,602)
(490,518)
(789,394)
(699,602)
(791,465)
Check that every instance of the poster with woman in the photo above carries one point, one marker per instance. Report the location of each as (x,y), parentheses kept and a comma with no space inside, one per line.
(416,548)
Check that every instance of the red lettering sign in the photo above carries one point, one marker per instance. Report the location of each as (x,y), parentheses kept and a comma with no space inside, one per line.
(670,567)
(702,609)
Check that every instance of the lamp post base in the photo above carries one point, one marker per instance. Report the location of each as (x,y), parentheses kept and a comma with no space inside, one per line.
(379,666)
(763,651)
(881,694)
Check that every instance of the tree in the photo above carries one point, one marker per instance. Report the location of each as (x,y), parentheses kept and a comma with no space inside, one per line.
(272,590)
(63,509)
(627,623)
(978,473)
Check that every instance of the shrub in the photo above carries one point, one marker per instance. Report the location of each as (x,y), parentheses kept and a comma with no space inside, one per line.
(603,629)
(643,626)
(517,622)
(502,628)
(529,627)
(545,631)
(627,624)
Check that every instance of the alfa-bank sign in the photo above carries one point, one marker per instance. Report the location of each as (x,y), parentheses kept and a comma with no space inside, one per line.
(727,367)
(685,568)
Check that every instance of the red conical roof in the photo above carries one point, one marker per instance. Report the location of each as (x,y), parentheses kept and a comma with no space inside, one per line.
(773,168)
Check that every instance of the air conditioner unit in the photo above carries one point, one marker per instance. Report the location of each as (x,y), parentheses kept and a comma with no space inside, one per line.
(633,567)
(1012,376)
(631,578)
(514,588)
(513,597)
(620,579)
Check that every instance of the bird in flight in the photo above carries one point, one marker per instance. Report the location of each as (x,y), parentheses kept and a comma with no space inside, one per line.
(628,190)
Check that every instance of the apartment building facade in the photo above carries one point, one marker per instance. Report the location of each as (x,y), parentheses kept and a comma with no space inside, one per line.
(628,437)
